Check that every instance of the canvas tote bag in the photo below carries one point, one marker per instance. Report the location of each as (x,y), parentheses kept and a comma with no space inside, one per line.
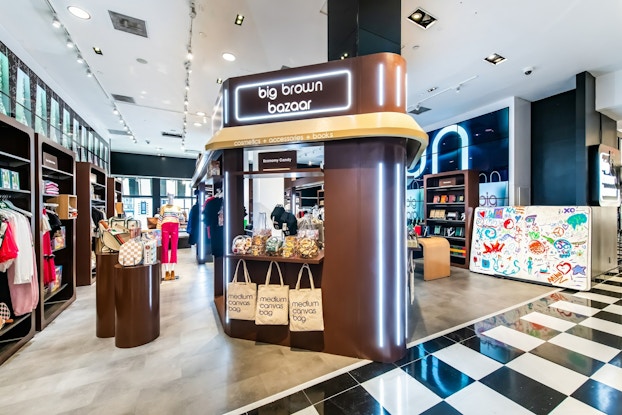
(241,296)
(272,300)
(305,306)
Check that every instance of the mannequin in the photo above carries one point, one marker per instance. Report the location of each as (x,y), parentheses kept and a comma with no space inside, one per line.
(169,224)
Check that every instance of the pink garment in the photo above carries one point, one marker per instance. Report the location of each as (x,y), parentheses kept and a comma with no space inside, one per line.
(170,233)
(24,297)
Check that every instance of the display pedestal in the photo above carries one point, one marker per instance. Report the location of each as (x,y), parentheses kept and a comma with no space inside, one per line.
(137,304)
(436,260)
(104,293)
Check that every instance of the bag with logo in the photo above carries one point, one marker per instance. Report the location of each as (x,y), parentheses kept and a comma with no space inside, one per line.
(305,305)
(241,295)
(112,238)
(131,253)
(272,300)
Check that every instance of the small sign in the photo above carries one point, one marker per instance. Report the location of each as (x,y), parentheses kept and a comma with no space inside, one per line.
(278,161)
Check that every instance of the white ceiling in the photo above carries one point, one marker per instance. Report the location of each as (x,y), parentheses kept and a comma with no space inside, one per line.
(558,38)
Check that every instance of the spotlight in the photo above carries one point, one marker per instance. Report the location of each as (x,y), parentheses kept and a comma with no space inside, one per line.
(56,23)
(70,43)
(189,56)
(422,18)
(89,73)
(239,19)
(219,81)
(80,59)
(115,111)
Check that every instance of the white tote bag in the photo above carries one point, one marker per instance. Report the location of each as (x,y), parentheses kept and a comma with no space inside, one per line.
(241,296)
(305,306)
(272,300)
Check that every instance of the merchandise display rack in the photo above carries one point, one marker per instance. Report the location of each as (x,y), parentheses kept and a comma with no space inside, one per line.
(114,187)
(450,200)
(91,192)
(51,304)
(16,154)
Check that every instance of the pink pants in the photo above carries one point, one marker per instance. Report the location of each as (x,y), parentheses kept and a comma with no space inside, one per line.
(170,233)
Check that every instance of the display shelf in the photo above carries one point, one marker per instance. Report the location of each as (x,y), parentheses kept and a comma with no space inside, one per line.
(64,175)
(265,258)
(17,154)
(465,184)
(85,171)
(114,191)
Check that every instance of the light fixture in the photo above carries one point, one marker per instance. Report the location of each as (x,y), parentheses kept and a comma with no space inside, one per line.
(69,43)
(80,59)
(186,102)
(115,111)
(121,121)
(228,56)
(78,12)
(434,88)
(56,23)
(422,18)
(197,124)
(89,73)
(201,114)
(186,111)
(239,19)
(125,128)
(187,86)
(219,81)
(189,56)
(495,59)
(458,89)
(97,50)
(344,55)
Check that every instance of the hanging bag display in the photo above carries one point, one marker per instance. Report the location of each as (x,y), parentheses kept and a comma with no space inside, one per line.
(241,296)
(272,300)
(305,305)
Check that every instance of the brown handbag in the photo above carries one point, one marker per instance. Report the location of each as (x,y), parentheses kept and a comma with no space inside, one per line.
(152,223)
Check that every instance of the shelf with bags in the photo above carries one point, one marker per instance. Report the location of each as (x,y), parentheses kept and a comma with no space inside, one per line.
(265,258)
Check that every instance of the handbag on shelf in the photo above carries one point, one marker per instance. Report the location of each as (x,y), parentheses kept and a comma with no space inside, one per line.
(272,300)
(112,238)
(131,253)
(241,295)
(305,305)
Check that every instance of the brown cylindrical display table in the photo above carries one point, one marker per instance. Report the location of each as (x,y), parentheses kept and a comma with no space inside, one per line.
(104,293)
(137,303)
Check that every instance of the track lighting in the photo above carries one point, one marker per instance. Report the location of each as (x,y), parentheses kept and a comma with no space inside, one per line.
(56,23)
(69,43)
(80,60)
(115,111)
(189,56)
(89,73)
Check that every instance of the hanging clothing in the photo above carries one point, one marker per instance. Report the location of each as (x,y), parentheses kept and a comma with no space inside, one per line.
(194,223)
(49,266)
(215,230)
(8,249)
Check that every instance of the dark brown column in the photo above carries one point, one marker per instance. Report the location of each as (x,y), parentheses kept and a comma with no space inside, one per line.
(104,294)
(363,284)
(363,27)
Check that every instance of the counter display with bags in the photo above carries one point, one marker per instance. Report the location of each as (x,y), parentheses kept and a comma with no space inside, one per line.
(272,300)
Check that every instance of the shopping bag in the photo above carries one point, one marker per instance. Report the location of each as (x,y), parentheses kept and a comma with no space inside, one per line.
(272,300)
(241,296)
(150,251)
(305,305)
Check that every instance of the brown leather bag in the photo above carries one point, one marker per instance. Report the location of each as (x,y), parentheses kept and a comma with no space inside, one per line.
(152,223)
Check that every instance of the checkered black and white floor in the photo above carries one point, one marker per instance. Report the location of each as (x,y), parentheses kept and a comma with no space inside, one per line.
(560,354)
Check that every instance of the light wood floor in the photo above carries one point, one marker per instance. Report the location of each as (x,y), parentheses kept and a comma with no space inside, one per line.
(193,367)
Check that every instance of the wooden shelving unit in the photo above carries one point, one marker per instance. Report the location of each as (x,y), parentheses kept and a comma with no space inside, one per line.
(91,192)
(114,187)
(16,154)
(450,200)
(51,304)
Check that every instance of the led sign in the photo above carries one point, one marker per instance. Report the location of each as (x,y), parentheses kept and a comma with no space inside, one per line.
(294,97)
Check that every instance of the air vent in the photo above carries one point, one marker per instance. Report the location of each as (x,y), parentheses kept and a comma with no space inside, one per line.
(118,132)
(123,98)
(165,134)
(128,24)
(419,110)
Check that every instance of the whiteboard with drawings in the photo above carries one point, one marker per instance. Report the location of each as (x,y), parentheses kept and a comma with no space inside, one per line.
(545,244)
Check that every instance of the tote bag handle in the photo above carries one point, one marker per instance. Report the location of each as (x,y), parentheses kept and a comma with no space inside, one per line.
(305,266)
(269,273)
(247,279)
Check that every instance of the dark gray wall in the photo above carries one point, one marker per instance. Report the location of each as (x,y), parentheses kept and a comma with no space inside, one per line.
(128,164)
(553,154)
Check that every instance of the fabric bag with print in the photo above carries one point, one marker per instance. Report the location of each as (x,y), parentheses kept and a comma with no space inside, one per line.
(305,305)
(150,251)
(131,253)
(272,300)
(241,296)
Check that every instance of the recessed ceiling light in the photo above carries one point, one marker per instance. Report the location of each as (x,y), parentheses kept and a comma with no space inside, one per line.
(197,124)
(239,19)
(422,18)
(78,12)
(228,56)
(201,114)
(97,50)
(219,81)
(141,60)
(495,59)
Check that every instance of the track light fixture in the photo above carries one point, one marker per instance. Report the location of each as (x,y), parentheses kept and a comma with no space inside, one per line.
(69,43)
(56,23)
(89,73)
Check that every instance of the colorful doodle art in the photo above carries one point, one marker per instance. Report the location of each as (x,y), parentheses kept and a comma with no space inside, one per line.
(546,244)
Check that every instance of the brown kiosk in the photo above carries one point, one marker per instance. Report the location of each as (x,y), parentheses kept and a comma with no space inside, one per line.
(356,107)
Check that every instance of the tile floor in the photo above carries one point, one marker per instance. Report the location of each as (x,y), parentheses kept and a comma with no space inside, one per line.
(560,354)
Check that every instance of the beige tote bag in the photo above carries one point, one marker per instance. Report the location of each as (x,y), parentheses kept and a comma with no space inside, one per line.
(272,300)
(305,306)
(241,296)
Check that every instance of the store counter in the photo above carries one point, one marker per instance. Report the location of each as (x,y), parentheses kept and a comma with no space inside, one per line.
(436,258)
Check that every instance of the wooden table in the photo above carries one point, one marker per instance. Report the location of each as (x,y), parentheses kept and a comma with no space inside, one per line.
(436,262)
